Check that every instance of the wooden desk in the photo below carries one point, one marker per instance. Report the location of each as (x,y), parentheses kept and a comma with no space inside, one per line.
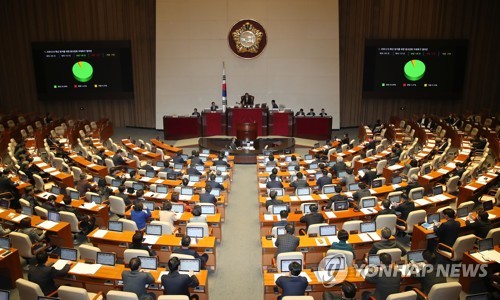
(236,115)
(94,169)
(349,154)
(476,187)
(118,242)
(62,179)
(420,234)
(109,278)
(60,235)
(468,282)
(171,150)
(142,153)
(10,267)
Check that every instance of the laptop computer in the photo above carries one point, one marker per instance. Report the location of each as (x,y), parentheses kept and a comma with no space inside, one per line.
(342,174)
(205,151)
(137,186)
(171,176)
(462,212)
(313,166)
(47,298)
(397,180)
(178,167)
(367,227)
(307,157)
(415,256)
(328,230)
(303,191)
(96,199)
(278,208)
(153,229)
(185,157)
(481,296)
(485,244)
(219,179)
(207,209)
(186,191)
(115,226)
(286,262)
(4,295)
(162,189)
(160,163)
(221,168)
(291,168)
(376,183)
(54,216)
(307,208)
(199,168)
(151,174)
(5,243)
(435,217)
(189,264)
(215,192)
(194,232)
(178,208)
(328,189)
(353,187)
(194,178)
(55,190)
(148,262)
(395,198)
(373,260)
(149,205)
(369,202)
(437,190)
(26,210)
(418,195)
(106,258)
(318,175)
(116,182)
(334,263)
(74,195)
(269,169)
(69,254)
(280,230)
(341,205)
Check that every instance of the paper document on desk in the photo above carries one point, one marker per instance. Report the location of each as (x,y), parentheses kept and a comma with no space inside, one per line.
(372,192)
(268,217)
(59,264)
(421,202)
(488,255)
(83,268)
(443,171)
(441,197)
(41,165)
(323,196)
(364,237)
(100,233)
(89,205)
(394,167)
(491,216)
(262,185)
(396,186)
(333,239)
(19,218)
(374,236)
(451,165)
(91,165)
(150,239)
(433,199)
(49,170)
(471,188)
(191,183)
(330,214)
(348,194)
(184,197)
(55,173)
(47,224)
(306,198)
(428,177)
(294,198)
(321,242)
(368,211)
(145,179)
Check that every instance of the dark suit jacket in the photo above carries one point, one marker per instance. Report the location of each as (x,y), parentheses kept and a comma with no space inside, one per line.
(389,244)
(220,162)
(6,185)
(118,160)
(125,198)
(44,277)
(178,160)
(192,171)
(384,211)
(385,285)
(480,227)
(286,243)
(273,202)
(215,185)
(274,184)
(429,278)
(247,100)
(405,208)
(135,282)
(191,252)
(299,183)
(196,161)
(448,232)
(339,167)
(325,179)
(292,285)
(337,197)
(369,176)
(360,194)
(175,283)
(312,218)
(208,198)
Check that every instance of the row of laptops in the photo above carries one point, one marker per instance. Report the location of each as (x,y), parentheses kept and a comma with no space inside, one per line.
(462,212)
(117,226)
(331,230)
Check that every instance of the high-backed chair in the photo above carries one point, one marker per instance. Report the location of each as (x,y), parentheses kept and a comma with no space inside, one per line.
(468,204)
(181,256)
(352,225)
(414,217)
(364,199)
(28,289)
(298,298)
(88,253)
(380,166)
(128,225)
(206,231)
(409,295)
(452,185)
(288,255)
(461,245)
(412,171)
(494,234)
(128,254)
(71,218)
(27,249)
(349,257)
(41,212)
(117,205)
(395,253)
(388,221)
(121,295)
(75,293)
(414,191)
(495,198)
(314,228)
(109,163)
(440,291)
(381,179)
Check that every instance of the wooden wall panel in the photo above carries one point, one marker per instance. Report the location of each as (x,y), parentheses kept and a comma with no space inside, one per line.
(24,21)
(476,21)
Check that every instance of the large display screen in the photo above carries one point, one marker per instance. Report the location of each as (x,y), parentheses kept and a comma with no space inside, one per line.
(83,70)
(414,68)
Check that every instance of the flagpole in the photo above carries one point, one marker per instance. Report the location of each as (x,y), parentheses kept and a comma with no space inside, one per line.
(224,91)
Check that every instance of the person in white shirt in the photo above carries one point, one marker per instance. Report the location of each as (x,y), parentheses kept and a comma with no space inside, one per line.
(167,215)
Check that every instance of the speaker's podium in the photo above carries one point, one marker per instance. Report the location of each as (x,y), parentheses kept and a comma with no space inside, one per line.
(239,115)
(246,131)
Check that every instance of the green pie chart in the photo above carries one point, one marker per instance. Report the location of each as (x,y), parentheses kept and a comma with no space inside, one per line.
(82,71)
(414,70)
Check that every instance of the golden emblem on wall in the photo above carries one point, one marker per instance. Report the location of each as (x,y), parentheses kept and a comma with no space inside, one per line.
(247,38)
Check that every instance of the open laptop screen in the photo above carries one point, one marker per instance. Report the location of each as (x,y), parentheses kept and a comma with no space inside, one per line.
(55,190)
(462,212)
(482,296)
(106,258)
(151,174)
(397,180)
(74,195)
(328,230)
(178,208)
(137,186)
(431,218)
(416,256)
(96,199)
(280,230)
(187,264)
(215,192)
(26,210)
(54,216)
(115,226)
(4,243)
(69,254)
(418,195)
(286,262)
(116,182)
(485,244)
(307,208)
(341,205)
(304,191)
(367,227)
(353,186)
(194,178)
(374,260)
(278,208)
(194,232)
(4,295)
(219,179)
(437,190)
(369,202)
(207,209)
(395,198)
(149,205)
(328,189)
(376,183)
(153,229)
(221,168)
(279,191)
(199,168)
(161,189)
(186,191)
(148,262)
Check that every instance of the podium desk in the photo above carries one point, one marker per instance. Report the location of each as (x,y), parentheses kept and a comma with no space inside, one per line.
(110,278)
(213,123)
(476,187)
(181,127)
(170,150)
(469,261)
(421,234)
(280,123)
(60,235)
(237,115)
(317,128)
(118,242)
(10,267)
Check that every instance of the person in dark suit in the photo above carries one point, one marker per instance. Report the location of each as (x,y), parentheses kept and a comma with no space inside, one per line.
(293,284)
(300,113)
(347,289)
(423,120)
(50,204)
(368,177)
(195,158)
(323,113)
(178,159)
(121,194)
(427,274)
(118,159)
(362,192)
(323,180)
(312,218)
(345,139)
(192,170)
(387,279)
(175,283)
(283,222)
(273,200)
(405,207)
(247,100)
(342,244)
(206,197)
(185,242)
(6,185)
(273,183)
(213,183)
(386,209)
(385,243)
(412,183)
(137,243)
(87,222)
(271,161)
(195,113)
(220,161)
(339,166)
(44,275)
(336,197)
(274,105)
(300,182)
(134,281)
(311,113)
(213,107)
(448,231)
(287,242)
(481,225)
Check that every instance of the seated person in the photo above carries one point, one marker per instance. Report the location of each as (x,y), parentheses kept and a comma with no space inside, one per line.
(271,161)
(197,216)
(428,274)
(283,222)
(137,243)
(339,166)
(44,275)
(192,170)
(178,158)
(273,200)
(167,215)
(348,177)
(87,222)
(311,112)
(118,159)
(405,207)
(293,161)
(274,105)
(195,158)
(342,244)
(175,283)
(386,209)
(207,197)
(386,243)
(139,216)
(121,194)
(220,161)
(213,106)
(336,197)
(362,192)
(300,113)
(50,204)
(195,113)
(35,235)
(348,292)
(323,113)
(175,199)
(293,284)
(273,183)
(287,242)
(214,184)
(386,279)
(185,243)
(300,181)
(323,180)
(135,281)
(103,190)
(481,224)
(312,218)
(247,100)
